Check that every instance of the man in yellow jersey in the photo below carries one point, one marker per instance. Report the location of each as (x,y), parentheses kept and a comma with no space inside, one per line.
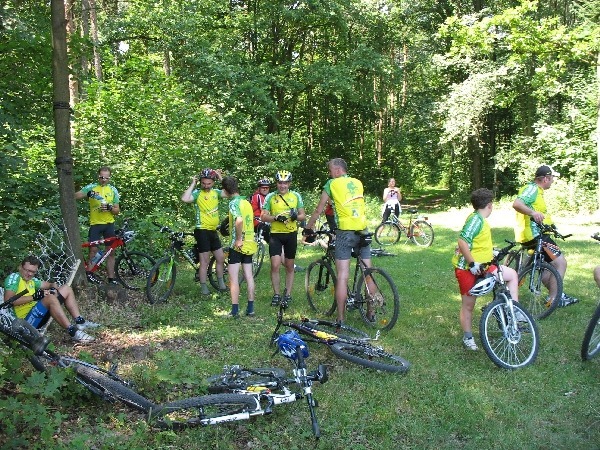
(531,211)
(206,206)
(473,249)
(243,246)
(284,209)
(346,196)
(104,206)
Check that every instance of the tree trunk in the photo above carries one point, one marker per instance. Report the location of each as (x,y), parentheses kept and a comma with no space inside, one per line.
(94,30)
(62,130)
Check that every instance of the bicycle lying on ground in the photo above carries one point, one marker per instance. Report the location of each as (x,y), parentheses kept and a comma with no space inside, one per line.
(239,393)
(131,267)
(372,291)
(344,341)
(418,230)
(590,347)
(540,284)
(507,330)
(162,276)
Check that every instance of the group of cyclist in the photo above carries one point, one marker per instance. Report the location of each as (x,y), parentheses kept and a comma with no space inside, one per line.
(475,247)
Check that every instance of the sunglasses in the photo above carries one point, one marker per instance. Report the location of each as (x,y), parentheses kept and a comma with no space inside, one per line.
(104,178)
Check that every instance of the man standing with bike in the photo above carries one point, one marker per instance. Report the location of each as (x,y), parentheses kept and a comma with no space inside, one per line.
(104,206)
(206,206)
(346,195)
(531,212)
(44,299)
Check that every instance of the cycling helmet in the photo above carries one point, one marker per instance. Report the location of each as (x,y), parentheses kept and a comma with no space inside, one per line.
(483,285)
(289,343)
(264,182)
(207,173)
(283,175)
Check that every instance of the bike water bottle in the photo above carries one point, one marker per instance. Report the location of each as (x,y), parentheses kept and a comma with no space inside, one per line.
(96,259)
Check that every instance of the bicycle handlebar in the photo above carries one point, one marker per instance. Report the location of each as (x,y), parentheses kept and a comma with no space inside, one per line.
(551,229)
(13,299)
(174,234)
(596,236)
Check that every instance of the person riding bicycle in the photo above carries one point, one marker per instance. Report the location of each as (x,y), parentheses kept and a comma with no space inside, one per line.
(391,200)
(257,200)
(104,206)
(531,212)
(44,300)
(346,195)
(473,249)
(206,206)
(242,246)
(283,209)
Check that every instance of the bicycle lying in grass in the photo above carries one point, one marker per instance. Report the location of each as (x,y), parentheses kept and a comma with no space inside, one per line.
(239,393)
(344,341)
(372,291)
(590,347)
(541,286)
(507,330)
(418,230)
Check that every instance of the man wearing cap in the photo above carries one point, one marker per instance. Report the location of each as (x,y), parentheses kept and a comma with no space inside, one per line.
(531,211)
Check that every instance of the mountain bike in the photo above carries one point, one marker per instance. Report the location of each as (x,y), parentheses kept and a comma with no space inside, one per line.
(372,291)
(239,393)
(104,383)
(131,267)
(344,341)
(540,284)
(418,230)
(590,347)
(162,276)
(507,330)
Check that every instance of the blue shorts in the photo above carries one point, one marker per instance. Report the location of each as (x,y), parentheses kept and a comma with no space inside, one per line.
(38,315)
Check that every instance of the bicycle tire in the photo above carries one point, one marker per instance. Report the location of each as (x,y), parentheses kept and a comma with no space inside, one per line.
(99,383)
(161,280)
(212,273)
(590,347)
(369,356)
(387,233)
(132,269)
(340,330)
(189,412)
(319,284)
(258,259)
(244,378)
(513,260)
(534,295)
(506,347)
(378,309)
(421,233)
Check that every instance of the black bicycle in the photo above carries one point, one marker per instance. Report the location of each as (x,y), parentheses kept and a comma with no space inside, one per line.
(372,292)
(590,347)
(344,341)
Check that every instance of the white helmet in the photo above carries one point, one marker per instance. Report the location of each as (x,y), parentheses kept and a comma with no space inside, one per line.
(483,285)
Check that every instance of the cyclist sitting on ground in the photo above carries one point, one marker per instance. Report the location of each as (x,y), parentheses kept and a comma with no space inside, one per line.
(474,248)
(283,209)
(206,205)
(391,200)
(257,200)
(44,299)
(531,211)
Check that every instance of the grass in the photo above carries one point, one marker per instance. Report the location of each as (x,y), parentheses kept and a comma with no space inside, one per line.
(450,399)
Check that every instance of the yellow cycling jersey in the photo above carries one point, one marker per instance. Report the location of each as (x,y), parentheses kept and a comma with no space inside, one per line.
(276,203)
(15,283)
(206,205)
(533,196)
(240,207)
(346,194)
(106,194)
(477,233)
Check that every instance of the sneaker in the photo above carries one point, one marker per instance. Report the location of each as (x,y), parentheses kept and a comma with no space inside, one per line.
(82,336)
(469,343)
(87,324)
(250,313)
(567,300)
(276,300)
(287,300)
(113,282)
(233,316)
(298,268)
(92,278)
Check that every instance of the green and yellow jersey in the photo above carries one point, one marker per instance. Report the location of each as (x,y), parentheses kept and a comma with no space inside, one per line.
(106,194)
(348,201)
(15,283)
(206,206)
(477,233)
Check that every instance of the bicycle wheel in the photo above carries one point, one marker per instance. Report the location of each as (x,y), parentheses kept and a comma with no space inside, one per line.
(540,289)
(269,377)
(205,410)
(99,382)
(387,233)
(319,284)
(369,356)
(513,260)
(377,299)
(212,273)
(132,269)
(161,280)
(590,346)
(508,346)
(257,259)
(421,233)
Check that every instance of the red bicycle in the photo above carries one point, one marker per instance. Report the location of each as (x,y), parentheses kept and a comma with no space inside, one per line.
(131,267)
